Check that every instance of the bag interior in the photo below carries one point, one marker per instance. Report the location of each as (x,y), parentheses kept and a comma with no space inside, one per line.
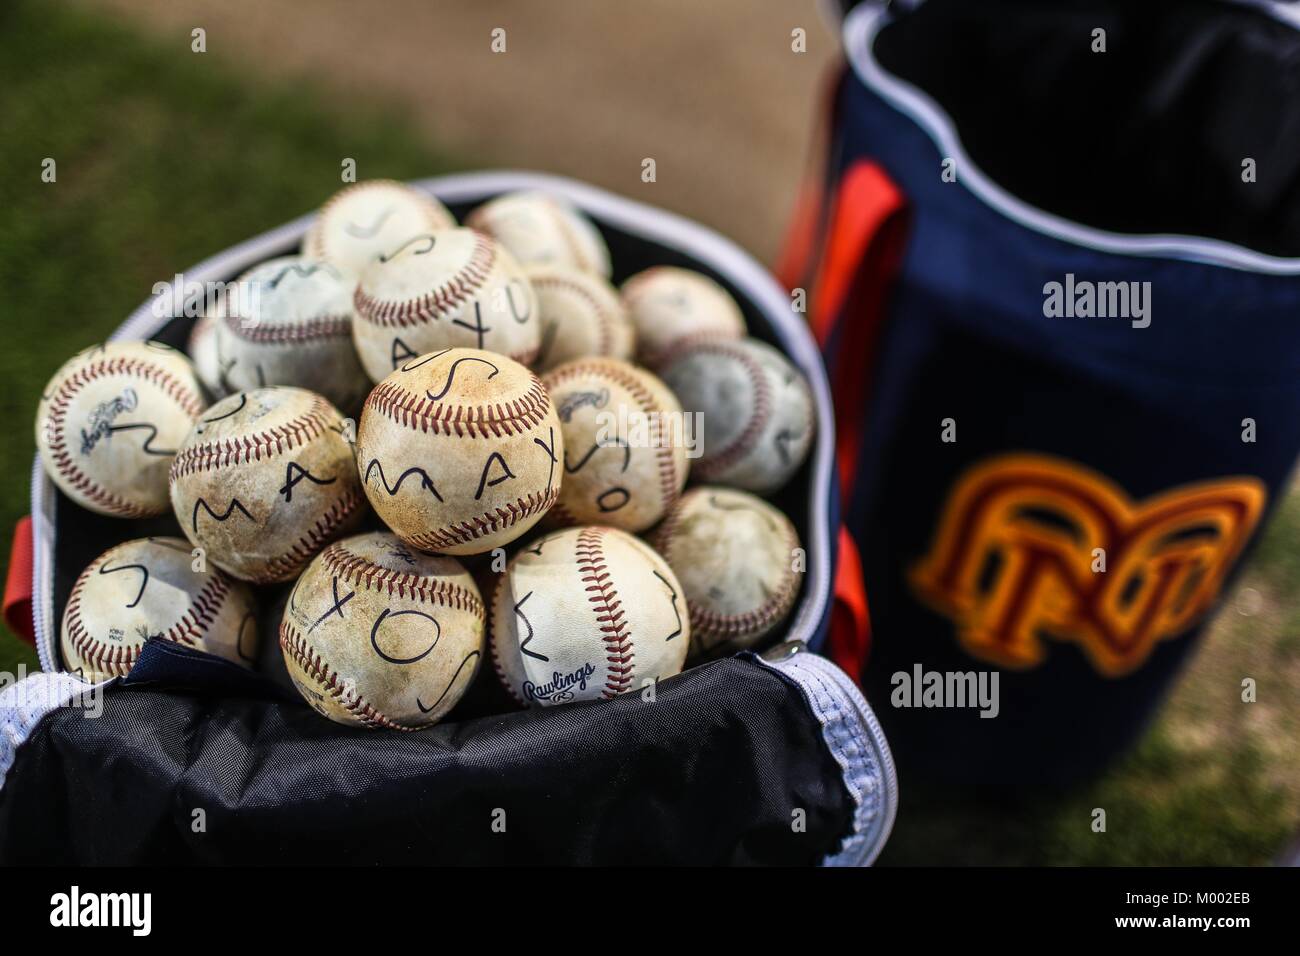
(1148,137)
(81,536)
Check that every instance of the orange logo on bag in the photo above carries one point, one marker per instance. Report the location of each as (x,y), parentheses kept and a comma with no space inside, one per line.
(1024,538)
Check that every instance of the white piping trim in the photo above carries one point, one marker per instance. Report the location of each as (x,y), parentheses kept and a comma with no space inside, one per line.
(43,496)
(635,218)
(23,704)
(854,738)
(860,30)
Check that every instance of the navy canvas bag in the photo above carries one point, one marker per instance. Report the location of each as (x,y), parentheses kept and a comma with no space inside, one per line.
(1058,291)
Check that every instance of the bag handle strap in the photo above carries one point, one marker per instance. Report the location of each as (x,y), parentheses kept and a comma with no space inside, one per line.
(849,641)
(18,583)
(864,247)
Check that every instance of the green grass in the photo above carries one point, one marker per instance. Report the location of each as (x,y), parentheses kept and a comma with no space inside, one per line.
(164,157)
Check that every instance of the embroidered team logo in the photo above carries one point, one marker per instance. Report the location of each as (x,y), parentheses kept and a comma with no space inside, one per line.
(1019,554)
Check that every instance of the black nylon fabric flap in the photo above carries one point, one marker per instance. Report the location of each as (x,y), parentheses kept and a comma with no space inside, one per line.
(712,772)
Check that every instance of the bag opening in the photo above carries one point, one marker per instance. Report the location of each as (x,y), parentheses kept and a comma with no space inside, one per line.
(1148,137)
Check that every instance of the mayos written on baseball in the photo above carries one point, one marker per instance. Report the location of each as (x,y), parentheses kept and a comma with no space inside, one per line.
(633,428)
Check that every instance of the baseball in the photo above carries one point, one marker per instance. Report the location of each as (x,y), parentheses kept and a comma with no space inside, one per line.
(541,229)
(670,307)
(202,350)
(757,412)
(291,324)
(457,288)
(586,614)
(380,635)
(149,588)
(734,555)
(460,451)
(580,314)
(110,422)
(624,450)
(367,219)
(264,481)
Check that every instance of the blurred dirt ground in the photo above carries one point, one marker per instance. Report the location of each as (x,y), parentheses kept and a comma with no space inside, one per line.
(586,88)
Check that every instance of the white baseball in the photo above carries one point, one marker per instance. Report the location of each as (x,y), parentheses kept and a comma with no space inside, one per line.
(290,323)
(542,229)
(380,635)
(362,221)
(460,451)
(581,315)
(264,481)
(148,588)
(624,457)
(671,307)
(453,289)
(757,419)
(110,422)
(735,556)
(202,349)
(587,614)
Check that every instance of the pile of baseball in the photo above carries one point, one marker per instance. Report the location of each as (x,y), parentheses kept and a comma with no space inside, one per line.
(505,422)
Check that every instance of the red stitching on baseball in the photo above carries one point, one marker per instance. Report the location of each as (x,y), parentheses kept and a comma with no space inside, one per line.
(492,646)
(707,624)
(307,546)
(363,572)
(117,661)
(611,619)
(480,421)
(314,241)
(305,656)
(710,466)
(665,461)
(188,400)
(453,292)
(689,343)
(321,327)
(605,317)
(488,522)
(273,441)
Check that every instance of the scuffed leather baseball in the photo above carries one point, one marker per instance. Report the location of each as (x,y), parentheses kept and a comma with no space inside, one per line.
(378,634)
(541,229)
(757,420)
(624,444)
(148,588)
(290,323)
(460,451)
(110,422)
(581,316)
(456,288)
(264,481)
(587,614)
(671,307)
(367,219)
(738,561)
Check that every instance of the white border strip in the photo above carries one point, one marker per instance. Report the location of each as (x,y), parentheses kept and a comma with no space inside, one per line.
(860,30)
(855,739)
(24,704)
(635,218)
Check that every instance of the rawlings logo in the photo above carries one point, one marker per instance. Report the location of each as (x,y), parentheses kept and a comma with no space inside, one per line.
(596,399)
(561,686)
(1031,547)
(102,417)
